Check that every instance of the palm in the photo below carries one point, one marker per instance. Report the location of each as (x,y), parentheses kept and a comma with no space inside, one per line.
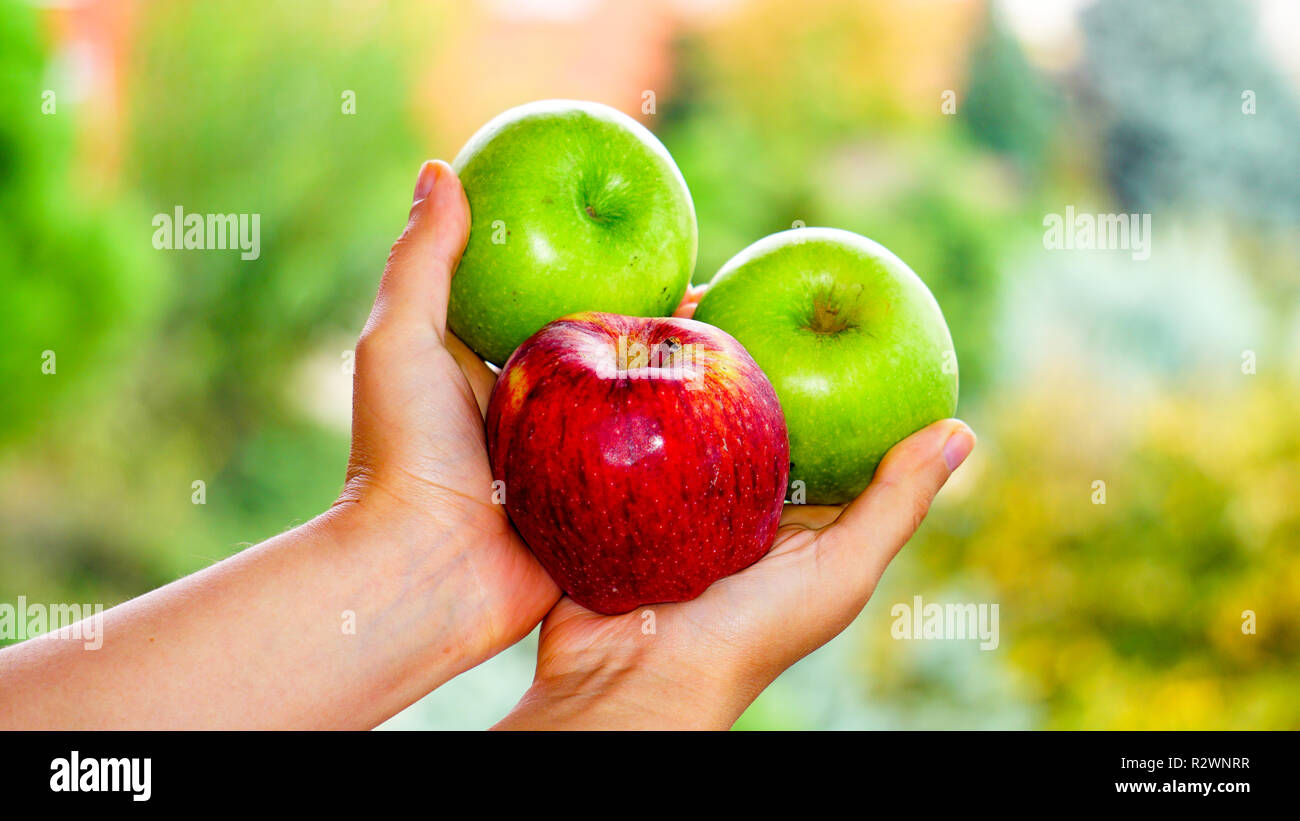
(516,589)
(775,593)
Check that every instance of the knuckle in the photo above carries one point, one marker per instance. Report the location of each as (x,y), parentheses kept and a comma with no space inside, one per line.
(375,342)
(399,249)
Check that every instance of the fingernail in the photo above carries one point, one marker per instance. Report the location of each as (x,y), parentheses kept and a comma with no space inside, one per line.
(959,445)
(424,183)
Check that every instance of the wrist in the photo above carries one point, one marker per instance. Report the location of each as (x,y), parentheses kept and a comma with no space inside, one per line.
(427,538)
(633,691)
(413,604)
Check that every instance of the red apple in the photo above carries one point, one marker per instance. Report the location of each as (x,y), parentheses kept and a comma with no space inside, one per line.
(642,458)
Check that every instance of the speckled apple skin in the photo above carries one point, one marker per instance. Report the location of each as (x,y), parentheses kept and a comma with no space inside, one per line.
(641,485)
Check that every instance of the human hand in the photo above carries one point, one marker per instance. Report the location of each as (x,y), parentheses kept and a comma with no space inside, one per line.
(418,470)
(708,658)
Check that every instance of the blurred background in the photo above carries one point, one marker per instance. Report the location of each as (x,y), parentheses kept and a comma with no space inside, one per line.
(946,129)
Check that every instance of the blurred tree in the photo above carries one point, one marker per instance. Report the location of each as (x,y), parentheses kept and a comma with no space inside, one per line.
(78,280)
(1169,77)
(1008,106)
(233,118)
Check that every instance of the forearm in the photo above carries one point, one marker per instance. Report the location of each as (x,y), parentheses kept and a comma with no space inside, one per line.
(333,624)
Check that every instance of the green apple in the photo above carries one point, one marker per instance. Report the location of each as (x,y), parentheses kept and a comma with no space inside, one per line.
(852,340)
(574,207)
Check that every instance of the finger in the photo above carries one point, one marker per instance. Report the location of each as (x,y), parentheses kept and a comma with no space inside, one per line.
(417,279)
(810,517)
(690,301)
(876,525)
(480,376)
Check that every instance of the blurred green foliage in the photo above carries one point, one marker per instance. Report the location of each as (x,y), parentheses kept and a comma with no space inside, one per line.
(182,366)
(74,281)
(1131,609)
(254,123)
(1009,107)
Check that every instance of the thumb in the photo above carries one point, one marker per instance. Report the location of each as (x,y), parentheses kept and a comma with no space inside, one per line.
(417,279)
(875,526)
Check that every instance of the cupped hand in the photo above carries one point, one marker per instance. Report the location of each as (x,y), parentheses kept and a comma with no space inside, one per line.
(700,663)
(418,470)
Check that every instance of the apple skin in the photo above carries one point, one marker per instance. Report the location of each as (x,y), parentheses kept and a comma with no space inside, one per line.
(643,485)
(853,341)
(574,206)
